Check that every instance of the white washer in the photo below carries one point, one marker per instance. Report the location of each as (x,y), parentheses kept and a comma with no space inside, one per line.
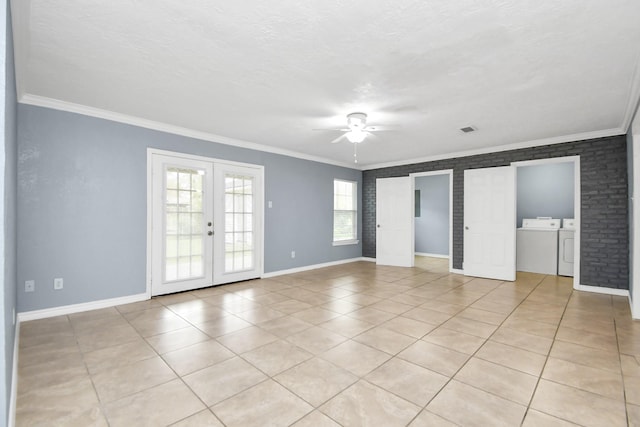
(565,247)
(537,245)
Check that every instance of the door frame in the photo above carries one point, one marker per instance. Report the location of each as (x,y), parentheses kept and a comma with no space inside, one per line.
(576,203)
(156,151)
(413,192)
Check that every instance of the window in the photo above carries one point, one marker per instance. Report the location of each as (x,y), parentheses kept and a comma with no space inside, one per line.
(345,211)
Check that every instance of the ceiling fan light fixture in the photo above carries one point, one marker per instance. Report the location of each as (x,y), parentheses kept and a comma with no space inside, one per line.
(356,121)
(356,136)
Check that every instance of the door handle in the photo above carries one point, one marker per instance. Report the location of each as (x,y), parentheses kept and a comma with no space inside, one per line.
(378,225)
(210,233)
(466,228)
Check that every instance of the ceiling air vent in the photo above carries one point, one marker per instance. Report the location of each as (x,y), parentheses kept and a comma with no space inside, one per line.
(468,129)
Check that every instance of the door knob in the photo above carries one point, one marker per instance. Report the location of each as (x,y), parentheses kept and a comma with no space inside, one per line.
(466,228)
(378,226)
(210,233)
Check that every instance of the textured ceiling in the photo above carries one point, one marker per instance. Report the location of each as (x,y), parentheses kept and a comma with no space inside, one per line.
(522,72)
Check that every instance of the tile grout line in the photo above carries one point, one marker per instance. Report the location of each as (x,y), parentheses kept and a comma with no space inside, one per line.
(624,388)
(472,355)
(553,341)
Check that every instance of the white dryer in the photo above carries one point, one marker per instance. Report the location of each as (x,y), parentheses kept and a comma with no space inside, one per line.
(537,245)
(565,247)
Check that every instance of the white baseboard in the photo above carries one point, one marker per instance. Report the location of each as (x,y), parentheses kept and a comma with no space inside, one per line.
(432,255)
(313,267)
(601,290)
(77,308)
(457,271)
(368,259)
(14,379)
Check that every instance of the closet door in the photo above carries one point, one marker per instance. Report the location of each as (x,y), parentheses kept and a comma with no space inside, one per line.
(490,223)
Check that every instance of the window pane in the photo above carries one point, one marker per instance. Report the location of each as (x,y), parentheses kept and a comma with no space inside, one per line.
(172,179)
(184,246)
(171,268)
(171,247)
(196,266)
(196,245)
(184,267)
(345,210)
(196,223)
(184,180)
(343,225)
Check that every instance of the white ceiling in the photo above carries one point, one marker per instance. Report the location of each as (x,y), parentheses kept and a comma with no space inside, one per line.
(524,72)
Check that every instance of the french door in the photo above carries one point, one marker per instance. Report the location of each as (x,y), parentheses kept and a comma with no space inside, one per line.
(206,223)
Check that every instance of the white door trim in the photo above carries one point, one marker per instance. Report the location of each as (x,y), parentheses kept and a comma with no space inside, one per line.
(152,151)
(413,184)
(576,204)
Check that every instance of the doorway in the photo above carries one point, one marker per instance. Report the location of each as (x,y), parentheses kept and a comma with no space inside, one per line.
(551,187)
(433,210)
(204,222)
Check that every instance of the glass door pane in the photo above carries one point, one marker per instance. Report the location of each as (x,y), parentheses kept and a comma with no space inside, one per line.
(184,222)
(239,252)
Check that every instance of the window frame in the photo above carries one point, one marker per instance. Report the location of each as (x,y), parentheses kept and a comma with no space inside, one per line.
(354,239)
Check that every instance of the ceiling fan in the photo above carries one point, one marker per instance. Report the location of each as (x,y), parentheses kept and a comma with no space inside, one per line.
(356,131)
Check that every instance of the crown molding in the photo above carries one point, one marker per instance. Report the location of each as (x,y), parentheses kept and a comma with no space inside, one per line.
(506,147)
(55,104)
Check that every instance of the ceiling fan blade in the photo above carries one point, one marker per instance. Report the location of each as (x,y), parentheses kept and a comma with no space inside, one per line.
(335,129)
(340,138)
(380,128)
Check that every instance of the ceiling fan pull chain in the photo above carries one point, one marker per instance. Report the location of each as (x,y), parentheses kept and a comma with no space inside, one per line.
(355,153)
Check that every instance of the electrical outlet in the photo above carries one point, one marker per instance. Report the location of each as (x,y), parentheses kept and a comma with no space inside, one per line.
(58,284)
(293,254)
(29,285)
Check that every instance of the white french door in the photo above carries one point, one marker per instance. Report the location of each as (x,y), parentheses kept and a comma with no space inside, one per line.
(238,219)
(394,222)
(490,223)
(206,223)
(182,221)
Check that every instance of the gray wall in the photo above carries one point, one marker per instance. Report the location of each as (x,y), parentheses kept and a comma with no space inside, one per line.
(432,226)
(604,212)
(82,205)
(8,209)
(545,190)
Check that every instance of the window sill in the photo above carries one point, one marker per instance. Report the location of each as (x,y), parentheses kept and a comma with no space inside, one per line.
(346,242)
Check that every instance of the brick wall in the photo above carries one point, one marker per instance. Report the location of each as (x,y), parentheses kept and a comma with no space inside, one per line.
(604,237)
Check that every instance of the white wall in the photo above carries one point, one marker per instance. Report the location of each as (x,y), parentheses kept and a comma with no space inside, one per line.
(633,149)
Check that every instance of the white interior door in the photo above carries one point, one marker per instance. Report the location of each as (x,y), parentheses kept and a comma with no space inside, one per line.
(238,223)
(490,223)
(182,244)
(394,221)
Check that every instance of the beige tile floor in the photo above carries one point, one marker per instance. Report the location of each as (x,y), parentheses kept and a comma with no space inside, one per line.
(353,345)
